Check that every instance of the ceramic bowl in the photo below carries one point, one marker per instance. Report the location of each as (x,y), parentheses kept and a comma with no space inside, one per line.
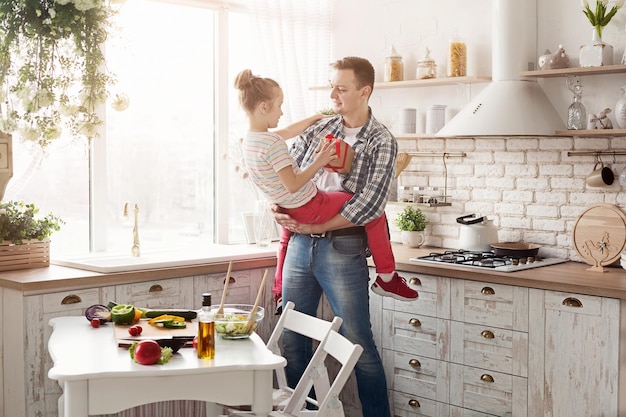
(233,323)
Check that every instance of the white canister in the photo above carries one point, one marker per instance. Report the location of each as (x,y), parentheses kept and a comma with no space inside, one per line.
(435,118)
(406,120)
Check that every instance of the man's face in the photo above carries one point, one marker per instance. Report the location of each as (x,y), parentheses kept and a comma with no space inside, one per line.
(345,94)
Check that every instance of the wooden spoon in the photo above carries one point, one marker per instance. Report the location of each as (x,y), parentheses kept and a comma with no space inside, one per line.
(256,304)
(402,161)
(221,309)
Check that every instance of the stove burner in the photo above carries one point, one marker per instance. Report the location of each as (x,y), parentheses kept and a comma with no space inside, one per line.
(482,259)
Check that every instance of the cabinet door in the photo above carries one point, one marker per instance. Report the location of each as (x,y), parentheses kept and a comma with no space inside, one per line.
(574,347)
(38,311)
(415,333)
(433,300)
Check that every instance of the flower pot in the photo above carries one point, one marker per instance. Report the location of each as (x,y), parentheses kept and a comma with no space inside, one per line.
(597,53)
(30,254)
(412,239)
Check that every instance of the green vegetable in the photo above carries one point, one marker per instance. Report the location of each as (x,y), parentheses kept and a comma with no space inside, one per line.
(186,314)
(172,324)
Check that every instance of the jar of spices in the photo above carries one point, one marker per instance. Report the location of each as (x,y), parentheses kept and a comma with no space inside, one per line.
(426,67)
(404,194)
(457,57)
(394,67)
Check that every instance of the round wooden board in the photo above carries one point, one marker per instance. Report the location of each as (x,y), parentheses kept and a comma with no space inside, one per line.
(600,235)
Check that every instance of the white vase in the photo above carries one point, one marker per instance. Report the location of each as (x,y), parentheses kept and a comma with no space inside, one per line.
(597,53)
(620,110)
(412,239)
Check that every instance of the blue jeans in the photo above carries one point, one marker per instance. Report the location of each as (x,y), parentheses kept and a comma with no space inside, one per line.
(336,267)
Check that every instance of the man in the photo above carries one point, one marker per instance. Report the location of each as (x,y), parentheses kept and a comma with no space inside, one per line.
(330,258)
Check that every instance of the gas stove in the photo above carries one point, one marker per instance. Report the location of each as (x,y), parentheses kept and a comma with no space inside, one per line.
(486,260)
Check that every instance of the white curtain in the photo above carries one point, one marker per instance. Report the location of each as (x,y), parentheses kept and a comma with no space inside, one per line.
(294,40)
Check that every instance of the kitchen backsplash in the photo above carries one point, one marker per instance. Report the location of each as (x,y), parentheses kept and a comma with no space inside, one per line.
(530,187)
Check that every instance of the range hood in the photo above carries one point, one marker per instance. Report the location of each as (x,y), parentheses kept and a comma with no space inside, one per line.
(509,105)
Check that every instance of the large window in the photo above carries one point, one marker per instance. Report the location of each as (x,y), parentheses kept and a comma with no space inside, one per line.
(173,152)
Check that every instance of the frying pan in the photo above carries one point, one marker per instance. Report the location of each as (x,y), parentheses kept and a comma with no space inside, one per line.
(515,249)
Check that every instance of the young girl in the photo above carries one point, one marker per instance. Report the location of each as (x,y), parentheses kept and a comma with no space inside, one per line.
(284,183)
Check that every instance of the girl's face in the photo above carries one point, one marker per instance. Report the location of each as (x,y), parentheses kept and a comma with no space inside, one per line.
(274,109)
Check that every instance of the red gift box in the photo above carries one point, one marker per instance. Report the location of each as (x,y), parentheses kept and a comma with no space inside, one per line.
(345,153)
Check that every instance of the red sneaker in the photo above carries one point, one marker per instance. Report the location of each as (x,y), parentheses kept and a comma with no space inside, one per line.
(396,288)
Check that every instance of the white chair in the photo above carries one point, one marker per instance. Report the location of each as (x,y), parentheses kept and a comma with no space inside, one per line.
(312,327)
(316,376)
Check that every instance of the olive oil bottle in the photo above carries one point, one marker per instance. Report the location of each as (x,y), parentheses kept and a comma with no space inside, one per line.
(206,329)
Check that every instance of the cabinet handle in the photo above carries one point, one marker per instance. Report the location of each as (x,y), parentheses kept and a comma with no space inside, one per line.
(415,281)
(230,281)
(487,291)
(155,288)
(415,363)
(71,299)
(415,322)
(486,378)
(414,403)
(572,302)
(487,334)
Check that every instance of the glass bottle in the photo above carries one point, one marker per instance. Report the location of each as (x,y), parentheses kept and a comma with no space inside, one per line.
(206,329)
(394,67)
(426,67)
(457,57)
(576,113)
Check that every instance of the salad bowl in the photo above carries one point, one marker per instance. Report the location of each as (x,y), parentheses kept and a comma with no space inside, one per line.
(233,323)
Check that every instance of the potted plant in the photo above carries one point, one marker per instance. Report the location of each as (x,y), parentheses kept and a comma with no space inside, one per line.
(412,222)
(24,239)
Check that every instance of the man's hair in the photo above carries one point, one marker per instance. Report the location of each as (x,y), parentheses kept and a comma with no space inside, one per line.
(363,70)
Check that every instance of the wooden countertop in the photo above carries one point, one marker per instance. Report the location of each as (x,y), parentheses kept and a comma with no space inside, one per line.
(565,277)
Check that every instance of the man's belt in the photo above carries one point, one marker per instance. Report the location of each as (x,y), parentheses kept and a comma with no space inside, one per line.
(349,231)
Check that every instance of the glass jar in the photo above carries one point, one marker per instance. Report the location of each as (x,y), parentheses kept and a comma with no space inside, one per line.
(394,67)
(404,194)
(457,57)
(426,67)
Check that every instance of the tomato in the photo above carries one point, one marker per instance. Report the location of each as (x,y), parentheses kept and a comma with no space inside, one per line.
(95,323)
(147,352)
(134,330)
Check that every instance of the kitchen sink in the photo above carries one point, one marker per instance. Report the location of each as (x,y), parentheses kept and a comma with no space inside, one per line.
(122,262)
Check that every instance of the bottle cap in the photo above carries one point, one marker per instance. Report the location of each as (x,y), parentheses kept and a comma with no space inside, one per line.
(426,58)
(206,299)
(394,53)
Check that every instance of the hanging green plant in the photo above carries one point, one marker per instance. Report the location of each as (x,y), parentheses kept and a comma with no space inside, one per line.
(52,67)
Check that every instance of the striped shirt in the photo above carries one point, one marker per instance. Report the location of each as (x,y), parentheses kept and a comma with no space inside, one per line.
(266,153)
(373,167)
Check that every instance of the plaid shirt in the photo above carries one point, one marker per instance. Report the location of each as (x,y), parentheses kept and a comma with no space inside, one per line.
(373,167)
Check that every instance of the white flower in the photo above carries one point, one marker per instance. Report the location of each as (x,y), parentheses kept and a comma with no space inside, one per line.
(121,102)
(52,13)
(52,133)
(619,4)
(88,129)
(29,134)
(63,2)
(44,98)
(84,5)
(8,125)
(68,110)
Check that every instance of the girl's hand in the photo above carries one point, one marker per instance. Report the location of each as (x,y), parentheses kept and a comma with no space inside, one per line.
(326,153)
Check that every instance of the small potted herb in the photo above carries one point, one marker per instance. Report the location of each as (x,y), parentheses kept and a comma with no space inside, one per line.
(18,223)
(412,222)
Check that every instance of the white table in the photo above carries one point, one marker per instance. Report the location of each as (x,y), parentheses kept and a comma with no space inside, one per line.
(98,377)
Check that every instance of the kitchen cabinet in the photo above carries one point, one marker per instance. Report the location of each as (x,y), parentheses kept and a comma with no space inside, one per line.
(26,361)
(582,71)
(471,348)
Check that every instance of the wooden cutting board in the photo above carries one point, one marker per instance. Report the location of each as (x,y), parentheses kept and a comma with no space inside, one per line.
(153,332)
(600,235)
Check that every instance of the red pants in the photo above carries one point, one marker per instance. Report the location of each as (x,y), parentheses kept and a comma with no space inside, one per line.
(322,208)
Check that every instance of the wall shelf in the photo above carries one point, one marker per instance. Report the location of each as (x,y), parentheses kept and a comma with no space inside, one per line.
(575,71)
(596,133)
(430,82)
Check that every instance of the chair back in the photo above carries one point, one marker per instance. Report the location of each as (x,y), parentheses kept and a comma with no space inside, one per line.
(316,375)
(304,324)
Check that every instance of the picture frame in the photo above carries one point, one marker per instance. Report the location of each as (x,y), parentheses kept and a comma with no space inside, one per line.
(248,226)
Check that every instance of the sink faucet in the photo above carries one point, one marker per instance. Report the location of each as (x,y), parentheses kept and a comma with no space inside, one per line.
(135,248)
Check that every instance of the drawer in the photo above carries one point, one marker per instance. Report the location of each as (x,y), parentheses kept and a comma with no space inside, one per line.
(405,405)
(69,301)
(417,375)
(489,348)
(502,306)
(416,334)
(489,392)
(433,300)
(167,293)
(242,288)
(573,303)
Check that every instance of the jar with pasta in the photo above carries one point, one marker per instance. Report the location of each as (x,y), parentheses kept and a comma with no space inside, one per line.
(457,58)
(394,67)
